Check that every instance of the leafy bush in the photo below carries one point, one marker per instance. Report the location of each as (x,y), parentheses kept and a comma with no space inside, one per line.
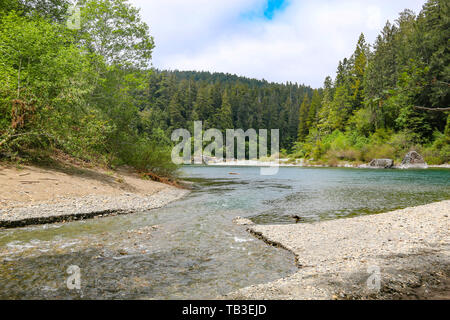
(149,156)
(351,146)
(439,151)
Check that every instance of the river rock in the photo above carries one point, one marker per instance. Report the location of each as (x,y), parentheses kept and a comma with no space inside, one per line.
(242,221)
(413,160)
(381,163)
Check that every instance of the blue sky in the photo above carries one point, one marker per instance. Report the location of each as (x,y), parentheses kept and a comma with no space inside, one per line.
(273,6)
(277,40)
(268,11)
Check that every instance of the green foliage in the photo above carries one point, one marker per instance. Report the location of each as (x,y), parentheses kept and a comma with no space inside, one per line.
(114,30)
(303,119)
(377,105)
(149,156)
(225,116)
(78,91)
(91,92)
(43,84)
(175,99)
(54,10)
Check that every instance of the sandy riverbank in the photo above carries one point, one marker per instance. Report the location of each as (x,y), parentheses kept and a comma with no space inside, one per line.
(32,195)
(336,259)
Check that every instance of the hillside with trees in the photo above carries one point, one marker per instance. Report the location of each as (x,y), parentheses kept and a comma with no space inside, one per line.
(176,99)
(74,90)
(90,93)
(386,98)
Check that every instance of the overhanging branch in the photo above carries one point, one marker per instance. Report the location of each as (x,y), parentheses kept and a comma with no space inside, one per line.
(432,109)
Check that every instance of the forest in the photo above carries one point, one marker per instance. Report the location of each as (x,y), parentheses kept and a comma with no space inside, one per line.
(387,98)
(91,93)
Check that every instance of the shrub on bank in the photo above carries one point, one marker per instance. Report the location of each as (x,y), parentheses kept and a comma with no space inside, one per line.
(352,147)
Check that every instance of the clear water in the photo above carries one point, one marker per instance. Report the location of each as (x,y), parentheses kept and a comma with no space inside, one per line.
(195,251)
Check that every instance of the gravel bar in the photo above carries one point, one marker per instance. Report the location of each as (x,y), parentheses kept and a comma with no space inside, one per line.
(395,255)
(86,207)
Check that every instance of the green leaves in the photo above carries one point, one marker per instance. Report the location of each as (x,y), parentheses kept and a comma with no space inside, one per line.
(75,90)
(41,78)
(303,118)
(393,88)
(114,30)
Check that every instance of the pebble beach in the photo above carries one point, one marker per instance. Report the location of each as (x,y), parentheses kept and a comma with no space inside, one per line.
(399,254)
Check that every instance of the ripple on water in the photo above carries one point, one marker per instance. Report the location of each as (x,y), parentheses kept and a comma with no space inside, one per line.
(191,249)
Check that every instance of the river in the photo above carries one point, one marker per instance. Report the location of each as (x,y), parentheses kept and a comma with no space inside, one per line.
(191,249)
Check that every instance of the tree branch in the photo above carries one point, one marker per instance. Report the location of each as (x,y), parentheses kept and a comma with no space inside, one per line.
(432,109)
(9,137)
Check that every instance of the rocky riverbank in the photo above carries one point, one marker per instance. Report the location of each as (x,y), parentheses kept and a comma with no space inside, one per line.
(412,160)
(31,195)
(285,163)
(402,254)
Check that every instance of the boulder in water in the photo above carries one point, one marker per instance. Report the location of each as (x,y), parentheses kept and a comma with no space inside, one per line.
(413,160)
(381,163)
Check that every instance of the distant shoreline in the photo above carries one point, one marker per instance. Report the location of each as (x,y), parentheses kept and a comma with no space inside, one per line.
(259,164)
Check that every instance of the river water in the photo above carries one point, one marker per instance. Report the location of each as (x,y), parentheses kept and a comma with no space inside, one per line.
(191,249)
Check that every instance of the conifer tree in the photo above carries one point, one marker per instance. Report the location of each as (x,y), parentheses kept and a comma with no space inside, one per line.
(225,116)
(303,117)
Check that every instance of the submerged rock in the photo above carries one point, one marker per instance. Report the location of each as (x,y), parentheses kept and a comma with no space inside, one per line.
(381,163)
(413,160)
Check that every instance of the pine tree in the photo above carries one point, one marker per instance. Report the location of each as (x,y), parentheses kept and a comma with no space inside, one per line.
(328,95)
(341,107)
(303,117)
(177,119)
(225,116)
(358,72)
(316,104)
(203,107)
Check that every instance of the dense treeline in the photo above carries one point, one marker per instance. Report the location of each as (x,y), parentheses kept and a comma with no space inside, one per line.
(386,98)
(176,99)
(90,93)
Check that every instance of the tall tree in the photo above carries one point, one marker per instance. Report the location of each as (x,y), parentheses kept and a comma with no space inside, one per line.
(203,107)
(314,109)
(358,72)
(225,116)
(303,118)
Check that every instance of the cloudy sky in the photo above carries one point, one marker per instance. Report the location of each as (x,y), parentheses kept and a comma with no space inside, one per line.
(277,40)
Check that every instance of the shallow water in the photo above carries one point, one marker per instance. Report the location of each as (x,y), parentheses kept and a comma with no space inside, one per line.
(193,250)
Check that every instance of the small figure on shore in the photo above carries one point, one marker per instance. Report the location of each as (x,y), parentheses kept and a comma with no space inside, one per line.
(297,219)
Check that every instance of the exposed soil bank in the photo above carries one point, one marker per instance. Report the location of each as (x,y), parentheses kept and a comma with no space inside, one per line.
(407,250)
(38,196)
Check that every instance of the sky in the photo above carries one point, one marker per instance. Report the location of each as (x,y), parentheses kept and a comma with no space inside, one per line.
(300,41)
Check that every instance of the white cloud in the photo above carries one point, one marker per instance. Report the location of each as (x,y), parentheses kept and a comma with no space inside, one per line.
(301,44)
(374,19)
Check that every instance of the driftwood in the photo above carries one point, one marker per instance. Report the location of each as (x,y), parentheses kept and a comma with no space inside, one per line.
(432,109)
(164,180)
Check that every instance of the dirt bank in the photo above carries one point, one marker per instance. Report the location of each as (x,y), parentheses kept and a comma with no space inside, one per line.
(32,195)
